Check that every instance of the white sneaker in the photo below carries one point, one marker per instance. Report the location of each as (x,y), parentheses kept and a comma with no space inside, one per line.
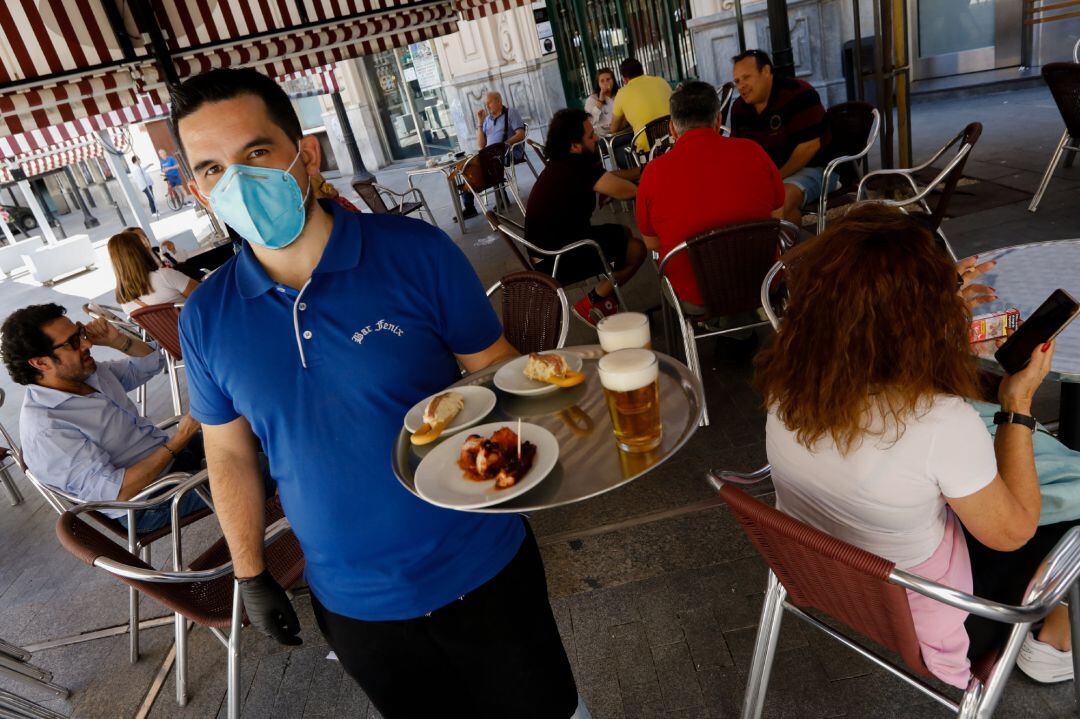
(1044,663)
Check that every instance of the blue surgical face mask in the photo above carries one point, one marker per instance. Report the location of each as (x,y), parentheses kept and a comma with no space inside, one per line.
(264,205)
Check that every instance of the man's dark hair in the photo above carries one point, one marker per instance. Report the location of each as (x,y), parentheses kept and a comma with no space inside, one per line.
(631,68)
(21,339)
(567,126)
(227,83)
(760,56)
(614,81)
(134,160)
(694,104)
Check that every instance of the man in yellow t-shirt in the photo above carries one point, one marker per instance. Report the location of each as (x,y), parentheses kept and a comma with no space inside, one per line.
(641,99)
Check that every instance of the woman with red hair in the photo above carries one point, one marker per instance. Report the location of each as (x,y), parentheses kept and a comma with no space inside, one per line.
(871,440)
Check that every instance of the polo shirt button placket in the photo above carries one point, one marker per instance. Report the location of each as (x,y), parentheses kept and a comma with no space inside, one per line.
(307,334)
(302,306)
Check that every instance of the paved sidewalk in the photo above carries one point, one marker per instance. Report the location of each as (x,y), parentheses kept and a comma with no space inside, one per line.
(655,588)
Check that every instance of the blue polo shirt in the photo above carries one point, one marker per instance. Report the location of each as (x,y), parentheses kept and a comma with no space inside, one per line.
(325,376)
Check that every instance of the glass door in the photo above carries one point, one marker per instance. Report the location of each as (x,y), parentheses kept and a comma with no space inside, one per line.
(411,104)
(953,37)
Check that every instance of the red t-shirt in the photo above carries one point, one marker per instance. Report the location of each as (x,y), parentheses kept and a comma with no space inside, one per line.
(705,181)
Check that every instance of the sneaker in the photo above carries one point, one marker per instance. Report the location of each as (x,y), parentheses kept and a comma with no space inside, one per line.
(1044,663)
(593,312)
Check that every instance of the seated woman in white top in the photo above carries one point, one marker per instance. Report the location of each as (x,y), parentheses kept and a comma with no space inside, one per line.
(601,103)
(871,441)
(140,281)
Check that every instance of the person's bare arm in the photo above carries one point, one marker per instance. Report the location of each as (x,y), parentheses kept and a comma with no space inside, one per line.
(518,136)
(632,174)
(500,350)
(1004,514)
(618,122)
(102,334)
(614,186)
(191,286)
(481,138)
(139,475)
(801,155)
(232,460)
(653,243)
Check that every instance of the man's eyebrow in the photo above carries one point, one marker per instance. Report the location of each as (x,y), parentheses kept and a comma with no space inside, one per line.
(254,142)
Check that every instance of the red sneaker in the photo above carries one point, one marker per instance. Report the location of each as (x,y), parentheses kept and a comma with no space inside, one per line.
(593,312)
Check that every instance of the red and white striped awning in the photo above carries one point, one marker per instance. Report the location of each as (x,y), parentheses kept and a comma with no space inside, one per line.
(88,61)
(61,154)
(309,83)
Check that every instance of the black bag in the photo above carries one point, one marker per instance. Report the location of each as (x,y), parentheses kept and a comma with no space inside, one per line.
(519,150)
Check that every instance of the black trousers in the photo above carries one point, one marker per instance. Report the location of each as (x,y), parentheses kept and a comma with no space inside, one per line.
(150,199)
(1003,577)
(495,653)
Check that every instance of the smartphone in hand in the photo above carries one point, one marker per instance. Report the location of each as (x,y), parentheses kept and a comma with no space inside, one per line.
(1045,324)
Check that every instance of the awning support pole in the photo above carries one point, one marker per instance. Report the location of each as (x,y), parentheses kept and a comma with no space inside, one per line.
(35,207)
(88,218)
(360,173)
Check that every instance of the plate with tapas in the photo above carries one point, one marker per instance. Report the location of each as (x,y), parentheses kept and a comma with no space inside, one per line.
(486,465)
(540,373)
(447,412)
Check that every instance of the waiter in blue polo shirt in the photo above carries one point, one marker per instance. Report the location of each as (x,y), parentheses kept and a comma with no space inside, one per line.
(314,341)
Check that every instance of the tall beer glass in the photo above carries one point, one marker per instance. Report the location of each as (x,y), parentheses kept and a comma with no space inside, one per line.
(631,382)
(625,330)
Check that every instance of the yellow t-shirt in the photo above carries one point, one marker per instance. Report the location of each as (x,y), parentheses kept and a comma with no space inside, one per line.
(641,101)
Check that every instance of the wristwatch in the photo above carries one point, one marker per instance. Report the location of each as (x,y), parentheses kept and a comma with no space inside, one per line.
(1015,418)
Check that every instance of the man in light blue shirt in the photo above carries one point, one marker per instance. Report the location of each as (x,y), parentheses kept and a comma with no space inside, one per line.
(497,124)
(80,431)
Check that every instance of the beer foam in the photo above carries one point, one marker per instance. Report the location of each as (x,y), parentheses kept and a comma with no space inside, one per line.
(623,330)
(627,370)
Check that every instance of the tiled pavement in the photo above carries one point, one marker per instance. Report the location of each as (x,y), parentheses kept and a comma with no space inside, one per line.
(655,589)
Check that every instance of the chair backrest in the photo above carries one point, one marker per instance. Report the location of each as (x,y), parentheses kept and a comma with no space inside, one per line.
(849,125)
(501,230)
(535,311)
(208,602)
(161,322)
(1063,79)
(821,572)
(967,139)
(370,195)
(655,129)
(726,94)
(729,263)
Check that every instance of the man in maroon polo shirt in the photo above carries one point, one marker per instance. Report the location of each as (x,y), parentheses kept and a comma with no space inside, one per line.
(705,181)
(785,116)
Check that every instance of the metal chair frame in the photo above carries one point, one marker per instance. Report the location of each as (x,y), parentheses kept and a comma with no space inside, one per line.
(726,93)
(62,501)
(508,157)
(607,141)
(509,183)
(919,198)
(517,237)
(1055,157)
(766,304)
(11,459)
(15,664)
(1056,578)
(638,158)
(397,200)
(823,201)
(668,298)
(564,311)
(173,365)
(178,575)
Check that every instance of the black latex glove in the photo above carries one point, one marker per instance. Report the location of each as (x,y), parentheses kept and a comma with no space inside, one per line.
(269,608)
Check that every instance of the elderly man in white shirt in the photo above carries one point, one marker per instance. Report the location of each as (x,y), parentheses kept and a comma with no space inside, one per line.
(143,183)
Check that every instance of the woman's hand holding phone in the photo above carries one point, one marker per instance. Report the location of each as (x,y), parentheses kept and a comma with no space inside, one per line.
(1017,390)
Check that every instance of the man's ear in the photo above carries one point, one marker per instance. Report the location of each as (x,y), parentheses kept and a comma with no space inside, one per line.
(193,188)
(671,130)
(41,364)
(310,154)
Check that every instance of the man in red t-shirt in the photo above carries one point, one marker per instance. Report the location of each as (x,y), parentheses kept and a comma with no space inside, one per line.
(705,181)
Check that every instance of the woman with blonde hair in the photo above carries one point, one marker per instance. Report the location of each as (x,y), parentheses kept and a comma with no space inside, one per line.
(871,440)
(140,280)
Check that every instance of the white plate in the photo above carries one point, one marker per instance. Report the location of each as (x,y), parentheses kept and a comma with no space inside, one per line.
(479,401)
(511,376)
(440,481)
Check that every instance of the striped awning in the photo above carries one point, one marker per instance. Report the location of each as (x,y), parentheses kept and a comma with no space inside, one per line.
(89,62)
(53,157)
(309,83)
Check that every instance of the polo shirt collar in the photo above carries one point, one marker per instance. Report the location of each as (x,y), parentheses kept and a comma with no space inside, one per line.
(696,134)
(342,252)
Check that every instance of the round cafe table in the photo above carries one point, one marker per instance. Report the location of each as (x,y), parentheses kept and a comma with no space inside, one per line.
(1024,277)
(590,463)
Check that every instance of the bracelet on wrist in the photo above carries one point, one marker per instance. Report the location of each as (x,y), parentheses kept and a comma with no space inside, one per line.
(1026,420)
(127,345)
(169,450)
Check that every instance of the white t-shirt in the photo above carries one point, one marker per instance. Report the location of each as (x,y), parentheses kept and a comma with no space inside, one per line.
(167,285)
(886,497)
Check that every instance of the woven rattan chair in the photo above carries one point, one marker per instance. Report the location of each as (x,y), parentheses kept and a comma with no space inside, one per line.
(514,235)
(138,543)
(161,323)
(653,130)
(728,263)
(853,127)
(205,592)
(1063,79)
(944,183)
(381,200)
(10,458)
(811,570)
(535,311)
(727,96)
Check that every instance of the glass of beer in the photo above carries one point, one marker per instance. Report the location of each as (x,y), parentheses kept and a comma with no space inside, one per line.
(631,382)
(624,330)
